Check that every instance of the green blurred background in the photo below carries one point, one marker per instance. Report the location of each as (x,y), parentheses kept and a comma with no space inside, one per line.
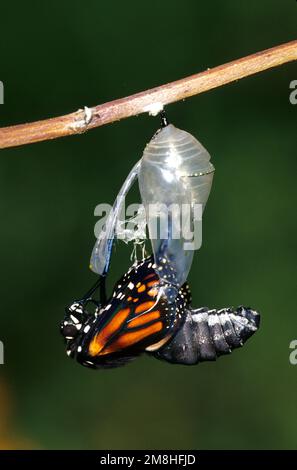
(57,57)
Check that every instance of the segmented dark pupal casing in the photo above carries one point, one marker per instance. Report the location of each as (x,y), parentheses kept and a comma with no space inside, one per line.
(207,334)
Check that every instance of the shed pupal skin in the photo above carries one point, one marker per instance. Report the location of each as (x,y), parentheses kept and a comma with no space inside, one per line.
(175,170)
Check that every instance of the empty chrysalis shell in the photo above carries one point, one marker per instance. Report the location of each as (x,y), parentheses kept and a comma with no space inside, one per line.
(175,174)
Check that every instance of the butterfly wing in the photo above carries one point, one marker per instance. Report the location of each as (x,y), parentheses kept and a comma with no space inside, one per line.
(136,318)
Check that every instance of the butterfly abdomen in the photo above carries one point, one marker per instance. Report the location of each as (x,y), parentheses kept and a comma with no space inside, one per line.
(208,334)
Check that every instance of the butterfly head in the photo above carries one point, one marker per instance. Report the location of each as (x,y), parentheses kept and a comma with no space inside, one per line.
(74,325)
(73,321)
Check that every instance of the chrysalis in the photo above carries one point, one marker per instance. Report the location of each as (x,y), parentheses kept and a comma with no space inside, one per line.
(174,171)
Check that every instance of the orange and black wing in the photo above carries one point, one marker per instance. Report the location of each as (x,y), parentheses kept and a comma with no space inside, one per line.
(137,316)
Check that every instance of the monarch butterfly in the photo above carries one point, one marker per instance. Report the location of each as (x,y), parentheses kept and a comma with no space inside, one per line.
(139,317)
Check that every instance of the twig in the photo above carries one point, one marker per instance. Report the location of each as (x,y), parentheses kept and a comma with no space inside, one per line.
(145,101)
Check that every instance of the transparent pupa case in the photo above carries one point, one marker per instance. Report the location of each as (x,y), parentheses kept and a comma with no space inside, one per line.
(174,172)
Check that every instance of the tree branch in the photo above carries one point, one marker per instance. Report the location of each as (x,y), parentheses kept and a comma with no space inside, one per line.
(145,101)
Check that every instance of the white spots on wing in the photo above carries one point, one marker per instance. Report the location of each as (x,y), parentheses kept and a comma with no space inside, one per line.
(130,285)
(79,349)
(74,319)
(87,328)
